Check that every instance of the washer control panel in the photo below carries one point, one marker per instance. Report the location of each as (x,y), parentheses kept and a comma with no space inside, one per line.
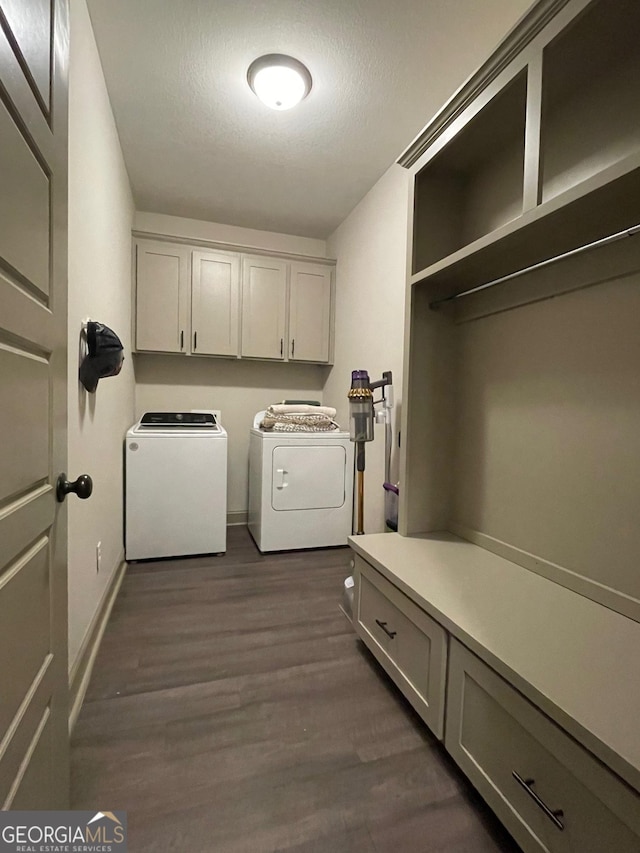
(179,419)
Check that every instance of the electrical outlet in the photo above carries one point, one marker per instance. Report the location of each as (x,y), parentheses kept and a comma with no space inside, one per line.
(98,556)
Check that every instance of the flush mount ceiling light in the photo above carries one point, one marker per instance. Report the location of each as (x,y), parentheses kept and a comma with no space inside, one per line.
(279,81)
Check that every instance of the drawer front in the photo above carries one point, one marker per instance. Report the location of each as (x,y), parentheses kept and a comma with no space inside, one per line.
(375,615)
(409,644)
(549,792)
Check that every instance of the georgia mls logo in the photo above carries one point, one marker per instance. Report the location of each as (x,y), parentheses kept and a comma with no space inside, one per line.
(103,831)
(63,832)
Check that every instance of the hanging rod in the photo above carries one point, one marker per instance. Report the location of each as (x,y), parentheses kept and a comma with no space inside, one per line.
(628,232)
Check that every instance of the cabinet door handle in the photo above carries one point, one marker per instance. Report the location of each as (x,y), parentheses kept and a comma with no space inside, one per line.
(293,347)
(383,625)
(552,814)
(195,341)
(281,347)
(182,339)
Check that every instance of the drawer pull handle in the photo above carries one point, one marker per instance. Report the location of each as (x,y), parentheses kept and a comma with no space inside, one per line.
(383,625)
(554,816)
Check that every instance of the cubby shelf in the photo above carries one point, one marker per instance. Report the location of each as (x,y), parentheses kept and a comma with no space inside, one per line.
(603,204)
(549,163)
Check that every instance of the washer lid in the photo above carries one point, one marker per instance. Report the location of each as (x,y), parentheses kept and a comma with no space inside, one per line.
(181,420)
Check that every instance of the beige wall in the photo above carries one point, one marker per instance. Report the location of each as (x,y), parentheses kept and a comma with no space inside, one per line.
(237,388)
(100,219)
(370,246)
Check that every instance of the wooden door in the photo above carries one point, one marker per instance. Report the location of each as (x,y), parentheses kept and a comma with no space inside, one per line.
(215,298)
(309,312)
(33,403)
(264,304)
(162,297)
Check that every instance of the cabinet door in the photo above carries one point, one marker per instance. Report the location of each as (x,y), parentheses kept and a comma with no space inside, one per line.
(162,287)
(264,299)
(309,312)
(215,295)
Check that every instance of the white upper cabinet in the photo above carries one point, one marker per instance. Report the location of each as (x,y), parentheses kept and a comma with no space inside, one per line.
(199,301)
(264,307)
(215,297)
(162,297)
(309,312)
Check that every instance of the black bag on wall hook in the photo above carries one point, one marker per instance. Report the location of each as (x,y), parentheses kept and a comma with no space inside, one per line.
(104,357)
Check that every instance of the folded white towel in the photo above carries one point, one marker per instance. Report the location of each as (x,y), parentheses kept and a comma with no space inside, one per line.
(301,409)
(297,423)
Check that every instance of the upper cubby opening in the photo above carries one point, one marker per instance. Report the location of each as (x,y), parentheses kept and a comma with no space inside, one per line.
(591,81)
(475,184)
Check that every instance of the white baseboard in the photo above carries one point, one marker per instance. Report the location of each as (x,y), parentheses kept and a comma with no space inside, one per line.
(83,666)
(237,517)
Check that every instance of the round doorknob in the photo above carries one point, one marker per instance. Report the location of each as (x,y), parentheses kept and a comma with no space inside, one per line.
(82,487)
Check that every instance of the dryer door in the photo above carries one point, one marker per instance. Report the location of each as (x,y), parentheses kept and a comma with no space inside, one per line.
(308,477)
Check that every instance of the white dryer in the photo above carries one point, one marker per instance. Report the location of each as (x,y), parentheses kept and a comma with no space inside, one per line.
(300,488)
(175,485)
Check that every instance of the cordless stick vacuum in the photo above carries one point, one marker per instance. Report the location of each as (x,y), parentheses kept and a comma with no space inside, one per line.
(361,416)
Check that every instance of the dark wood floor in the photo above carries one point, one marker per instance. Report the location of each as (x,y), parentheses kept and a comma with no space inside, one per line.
(232,709)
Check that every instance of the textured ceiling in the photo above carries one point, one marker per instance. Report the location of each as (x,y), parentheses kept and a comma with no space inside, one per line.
(198,143)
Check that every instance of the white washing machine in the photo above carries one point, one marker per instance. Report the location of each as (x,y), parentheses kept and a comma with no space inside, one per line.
(300,488)
(175,485)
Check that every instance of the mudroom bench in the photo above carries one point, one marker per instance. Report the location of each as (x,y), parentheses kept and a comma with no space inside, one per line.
(533,689)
